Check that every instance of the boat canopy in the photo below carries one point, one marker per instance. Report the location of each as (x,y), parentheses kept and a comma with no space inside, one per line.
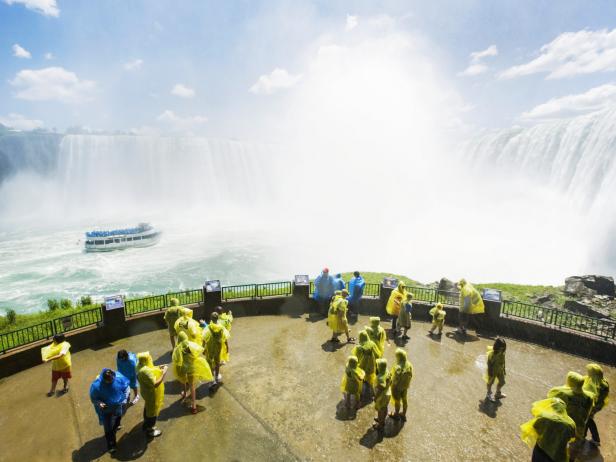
(143,227)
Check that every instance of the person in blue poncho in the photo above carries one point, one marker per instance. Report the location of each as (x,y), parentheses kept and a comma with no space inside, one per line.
(323,290)
(339,283)
(109,393)
(127,365)
(356,291)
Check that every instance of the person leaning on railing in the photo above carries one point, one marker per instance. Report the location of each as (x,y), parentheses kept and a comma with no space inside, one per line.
(470,303)
(172,314)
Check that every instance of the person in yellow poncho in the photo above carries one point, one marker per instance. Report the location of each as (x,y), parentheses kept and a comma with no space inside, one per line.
(496,369)
(351,384)
(438,318)
(579,402)
(189,326)
(225,317)
(377,334)
(337,316)
(549,432)
(152,388)
(367,353)
(190,367)
(215,343)
(596,385)
(394,304)
(401,375)
(332,316)
(59,355)
(382,394)
(172,314)
(470,303)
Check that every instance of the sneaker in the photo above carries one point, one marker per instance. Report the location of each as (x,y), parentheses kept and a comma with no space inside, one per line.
(500,395)
(219,377)
(490,397)
(154,432)
(135,401)
(112,450)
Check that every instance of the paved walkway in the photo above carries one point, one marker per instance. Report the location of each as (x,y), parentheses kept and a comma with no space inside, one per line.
(280,401)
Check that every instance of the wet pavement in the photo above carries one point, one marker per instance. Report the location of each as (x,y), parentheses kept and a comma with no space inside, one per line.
(281,401)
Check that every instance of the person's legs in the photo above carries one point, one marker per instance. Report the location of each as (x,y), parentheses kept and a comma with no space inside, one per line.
(539,455)
(405,405)
(594,431)
(135,395)
(193,396)
(54,383)
(489,388)
(463,321)
(499,386)
(110,425)
(394,322)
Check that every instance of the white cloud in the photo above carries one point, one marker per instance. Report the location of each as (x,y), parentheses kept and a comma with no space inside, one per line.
(133,65)
(351,22)
(52,84)
(476,66)
(179,124)
(44,7)
(182,91)
(570,54)
(595,99)
(276,80)
(19,122)
(20,52)
(49,56)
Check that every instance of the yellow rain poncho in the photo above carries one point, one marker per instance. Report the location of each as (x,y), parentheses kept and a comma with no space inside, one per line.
(352,378)
(438,315)
(470,299)
(189,326)
(215,344)
(377,334)
(225,320)
(401,375)
(383,385)
(337,315)
(396,299)
(62,363)
(332,313)
(597,386)
(172,314)
(147,375)
(579,402)
(367,353)
(188,364)
(551,429)
(496,366)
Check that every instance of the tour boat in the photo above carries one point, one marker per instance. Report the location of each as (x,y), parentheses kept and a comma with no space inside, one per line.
(143,235)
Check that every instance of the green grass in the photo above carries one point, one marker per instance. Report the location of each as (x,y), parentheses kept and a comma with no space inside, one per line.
(31,319)
(526,293)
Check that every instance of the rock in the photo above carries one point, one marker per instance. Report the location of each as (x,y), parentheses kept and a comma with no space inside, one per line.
(585,309)
(590,285)
(544,299)
(445,285)
(575,286)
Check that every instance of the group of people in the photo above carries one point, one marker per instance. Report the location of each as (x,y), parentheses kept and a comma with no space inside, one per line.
(326,286)
(199,349)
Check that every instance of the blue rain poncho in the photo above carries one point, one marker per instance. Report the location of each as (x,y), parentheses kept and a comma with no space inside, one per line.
(323,287)
(356,289)
(339,283)
(113,394)
(128,368)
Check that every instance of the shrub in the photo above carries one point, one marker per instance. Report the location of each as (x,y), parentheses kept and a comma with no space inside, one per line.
(66,304)
(52,305)
(85,300)
(11,316)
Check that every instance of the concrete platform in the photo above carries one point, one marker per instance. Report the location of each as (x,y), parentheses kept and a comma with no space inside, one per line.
(280,401)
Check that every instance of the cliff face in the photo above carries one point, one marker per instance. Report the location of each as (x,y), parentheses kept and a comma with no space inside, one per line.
(33,151)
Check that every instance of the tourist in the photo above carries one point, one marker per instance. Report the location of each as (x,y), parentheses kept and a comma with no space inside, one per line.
(405,315)
(215,343)
(127,364)
(190,367)
(332,316)
(438,318)
(496,369)
(352,381)
(549,432)
(109,393)
(323,290)
(394,304)
(382,394)
(356,291)
(58,352)
(152,387)
(225,317)
(579,402)
(337,316)
(401,375)
(189,326)
(367,353)
(339,283)
(377,334)
(596,385)
(172,314)
(470,304)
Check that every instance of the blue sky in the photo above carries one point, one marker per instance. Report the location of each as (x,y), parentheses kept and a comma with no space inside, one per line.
(200,66)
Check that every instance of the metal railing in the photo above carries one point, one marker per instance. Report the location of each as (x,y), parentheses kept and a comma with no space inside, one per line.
(143,305)
(554,317)
(186,297)
(254,291)
(372,290)
(48,329)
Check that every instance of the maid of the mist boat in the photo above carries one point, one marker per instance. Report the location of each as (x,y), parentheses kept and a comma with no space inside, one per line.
(143,235)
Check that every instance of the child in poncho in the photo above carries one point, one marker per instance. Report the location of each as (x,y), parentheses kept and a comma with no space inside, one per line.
(172,314)
(404,318)
(190,367)
(496,369)
(189,326)
(377,334)
(401,375)
(59,355)
(367,353)
(438,318)
(596,385)
(579,402)
(127,365)
(352,380)
(151,379)
(382,394)
(215,343)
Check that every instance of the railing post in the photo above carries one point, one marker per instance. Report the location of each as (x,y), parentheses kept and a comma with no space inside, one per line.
(166,300)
